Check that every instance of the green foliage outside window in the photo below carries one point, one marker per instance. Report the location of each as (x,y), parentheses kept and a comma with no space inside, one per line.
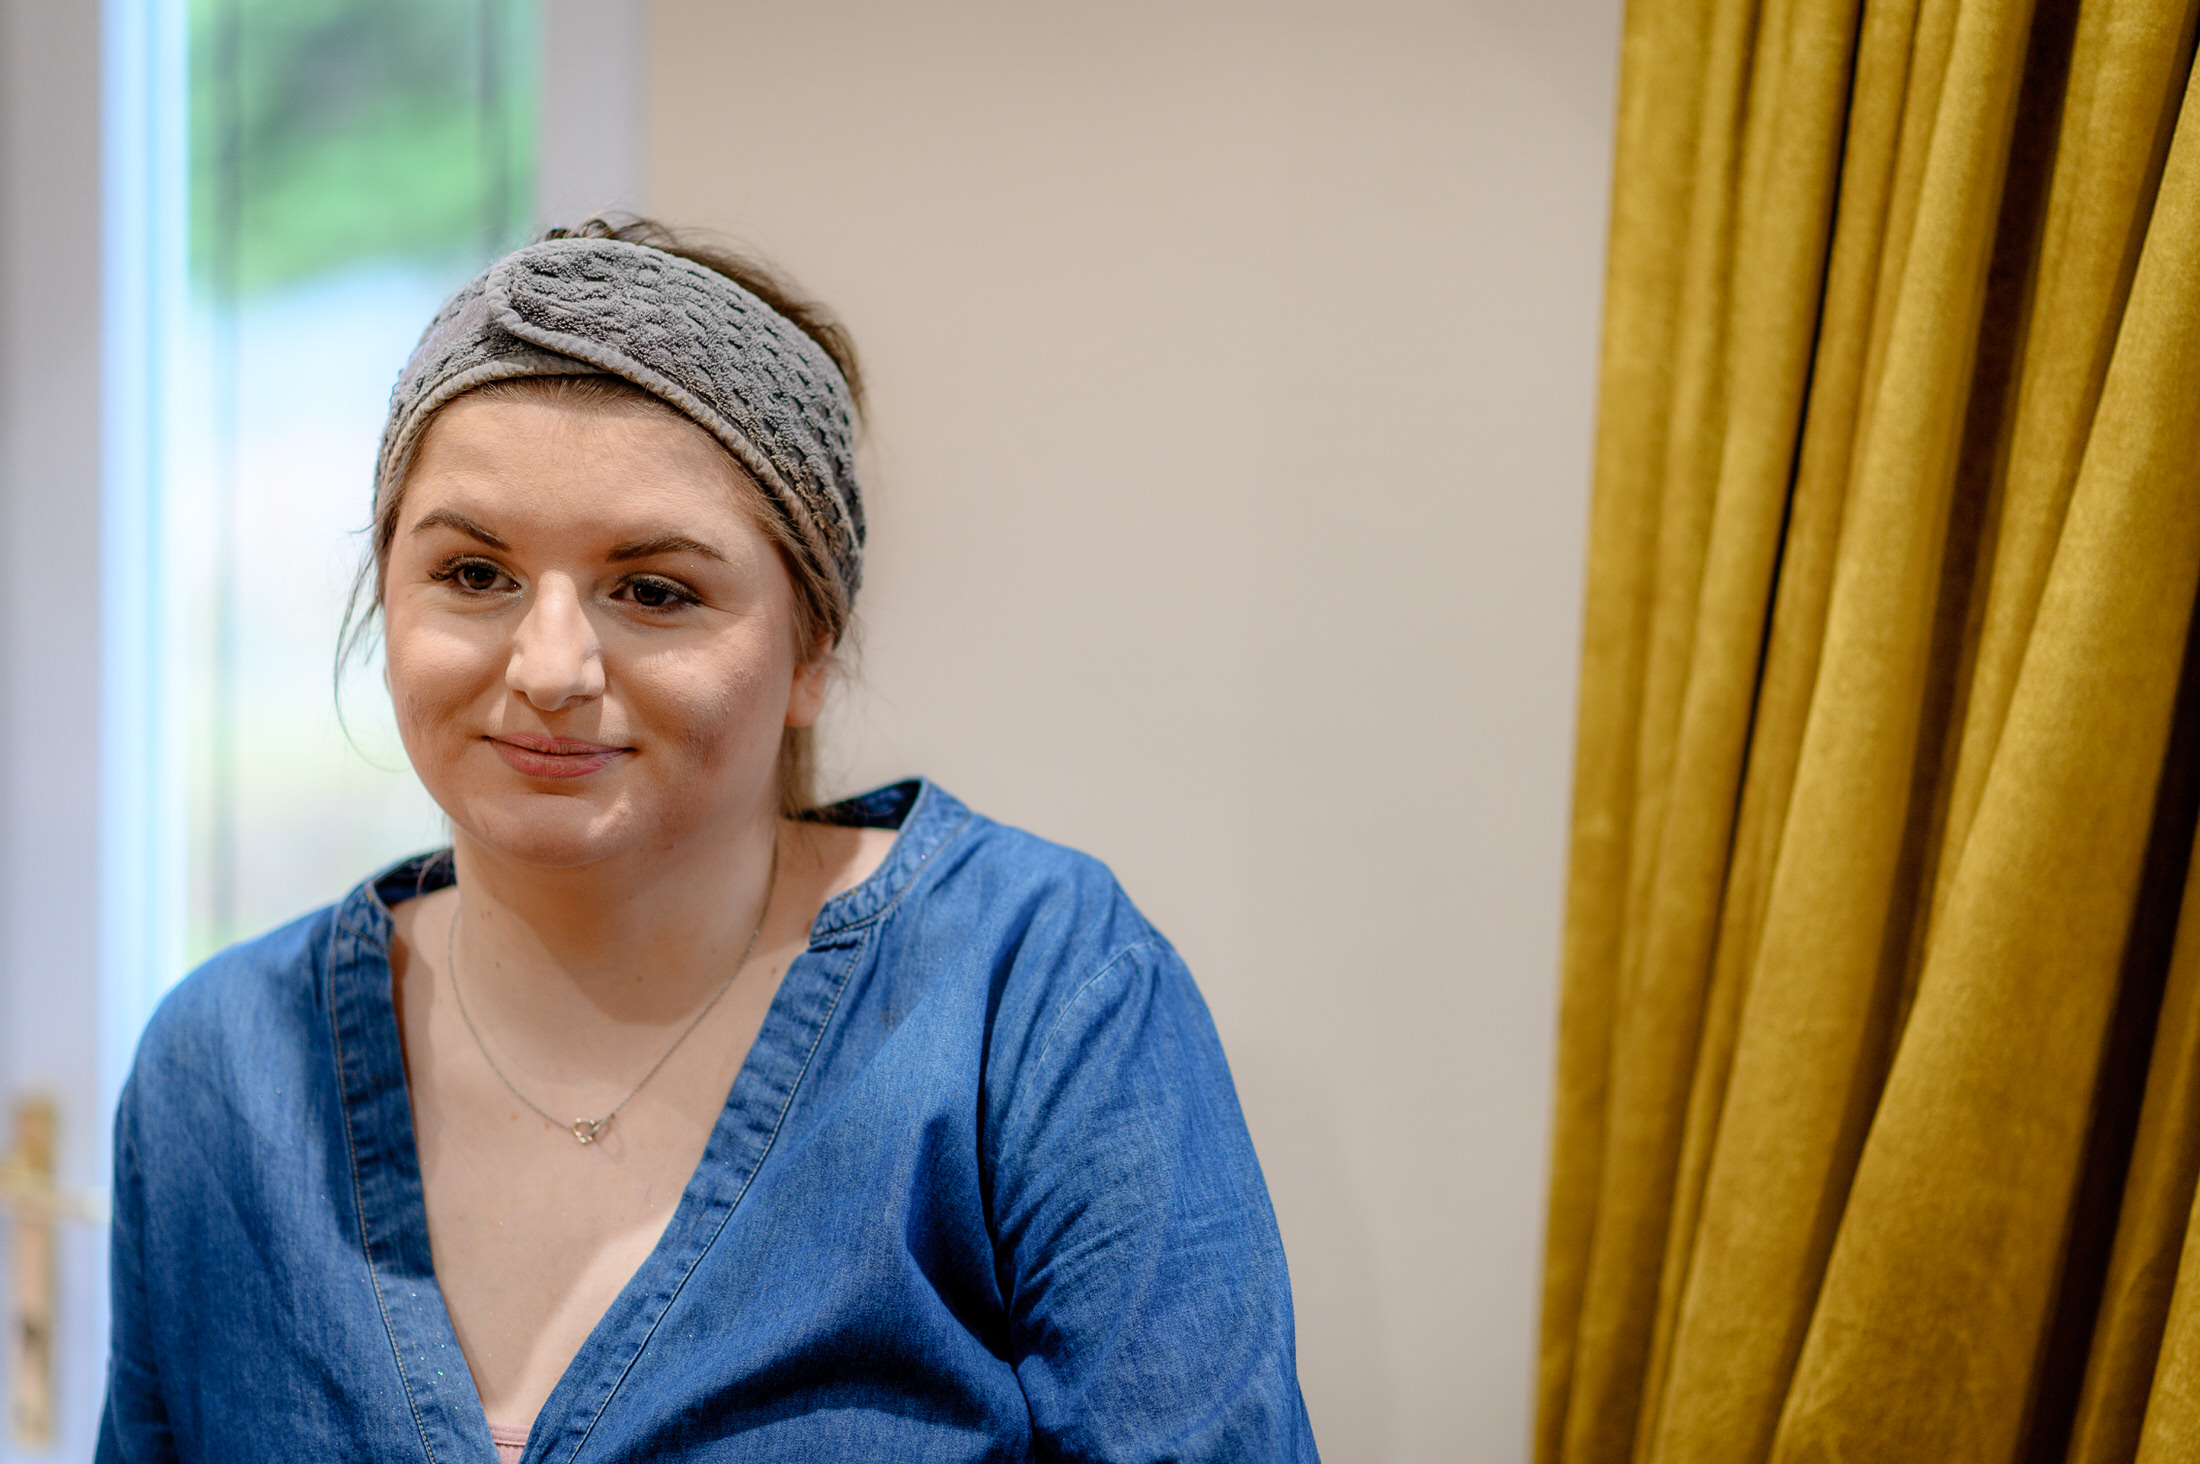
(332,133)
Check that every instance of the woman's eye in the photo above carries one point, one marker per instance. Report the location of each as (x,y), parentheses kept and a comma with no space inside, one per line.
(657,594)
(474,576)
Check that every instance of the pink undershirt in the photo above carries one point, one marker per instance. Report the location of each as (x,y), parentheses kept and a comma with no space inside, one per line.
(511,1442)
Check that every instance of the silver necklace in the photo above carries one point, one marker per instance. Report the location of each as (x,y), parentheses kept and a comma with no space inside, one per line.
(588,1130)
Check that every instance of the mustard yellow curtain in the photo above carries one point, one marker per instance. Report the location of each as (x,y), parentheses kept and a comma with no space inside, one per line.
(1877,1125)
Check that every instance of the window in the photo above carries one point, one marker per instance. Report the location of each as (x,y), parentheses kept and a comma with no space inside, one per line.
(350,162)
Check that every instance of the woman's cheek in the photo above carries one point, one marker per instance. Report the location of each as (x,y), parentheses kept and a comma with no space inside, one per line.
(714,709)
(435,679)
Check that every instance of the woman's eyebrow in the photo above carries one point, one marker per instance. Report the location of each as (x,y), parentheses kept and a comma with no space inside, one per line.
(663,544)
(447,518)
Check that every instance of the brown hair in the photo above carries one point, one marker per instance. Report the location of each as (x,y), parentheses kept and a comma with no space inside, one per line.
(821,607)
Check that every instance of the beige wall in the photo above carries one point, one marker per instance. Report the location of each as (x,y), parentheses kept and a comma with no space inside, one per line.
(1232,373)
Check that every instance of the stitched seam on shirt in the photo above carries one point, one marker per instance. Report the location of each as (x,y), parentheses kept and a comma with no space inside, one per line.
(359,1203)
(906,885)
(426,861)
(343,916)
(840,989)
(1046,1043)
(910,883)
(1099,976)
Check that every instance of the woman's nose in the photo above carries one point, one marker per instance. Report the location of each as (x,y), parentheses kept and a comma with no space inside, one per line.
(556,658)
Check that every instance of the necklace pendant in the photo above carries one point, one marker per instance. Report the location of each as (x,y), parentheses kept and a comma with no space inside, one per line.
(588,1130)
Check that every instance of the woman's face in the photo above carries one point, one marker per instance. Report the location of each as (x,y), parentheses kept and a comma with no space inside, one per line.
(590,639)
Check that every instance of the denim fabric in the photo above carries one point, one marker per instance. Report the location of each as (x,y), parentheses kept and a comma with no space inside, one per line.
(982,1191)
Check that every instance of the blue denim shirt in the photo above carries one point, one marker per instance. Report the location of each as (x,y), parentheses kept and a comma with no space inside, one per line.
(981,1191)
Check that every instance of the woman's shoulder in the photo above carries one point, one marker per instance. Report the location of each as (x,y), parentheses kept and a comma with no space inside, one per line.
(1034,921)
(251,1008)
(951,864)
(1053,892)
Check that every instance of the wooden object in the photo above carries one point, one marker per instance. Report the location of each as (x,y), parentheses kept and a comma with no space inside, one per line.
(34,1205)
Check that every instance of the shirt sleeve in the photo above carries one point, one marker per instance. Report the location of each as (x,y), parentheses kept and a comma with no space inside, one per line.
(133,1426)
(1148,1303)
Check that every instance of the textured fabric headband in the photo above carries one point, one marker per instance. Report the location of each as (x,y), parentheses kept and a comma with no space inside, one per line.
(684,333)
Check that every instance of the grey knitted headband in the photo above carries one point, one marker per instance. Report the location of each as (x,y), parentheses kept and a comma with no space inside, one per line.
(684,333)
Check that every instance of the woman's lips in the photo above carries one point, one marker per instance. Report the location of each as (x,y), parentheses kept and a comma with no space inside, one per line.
(553,757)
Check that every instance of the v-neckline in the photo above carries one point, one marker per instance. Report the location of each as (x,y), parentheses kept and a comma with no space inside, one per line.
(385,1165)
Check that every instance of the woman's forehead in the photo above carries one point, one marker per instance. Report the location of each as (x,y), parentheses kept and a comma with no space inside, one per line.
(536,466)
(482,427)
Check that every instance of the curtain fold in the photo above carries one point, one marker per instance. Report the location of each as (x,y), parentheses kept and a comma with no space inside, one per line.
(1894,549)
(2157,1213)
(1660,81)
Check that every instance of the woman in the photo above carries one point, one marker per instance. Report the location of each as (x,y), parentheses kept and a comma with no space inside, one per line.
(665,1116)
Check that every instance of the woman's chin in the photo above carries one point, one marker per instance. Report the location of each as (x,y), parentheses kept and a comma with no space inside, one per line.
(548,832)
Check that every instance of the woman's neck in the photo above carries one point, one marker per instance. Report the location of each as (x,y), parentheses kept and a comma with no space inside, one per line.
(638,942)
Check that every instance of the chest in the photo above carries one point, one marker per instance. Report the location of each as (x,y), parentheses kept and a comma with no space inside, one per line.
(534,1233)
(788,1303)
